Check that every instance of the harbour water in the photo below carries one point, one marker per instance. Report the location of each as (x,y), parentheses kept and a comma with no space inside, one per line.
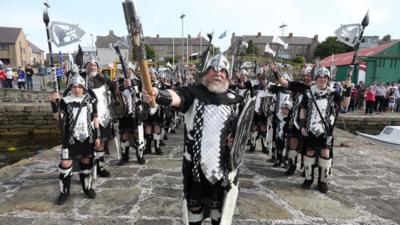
(13,149)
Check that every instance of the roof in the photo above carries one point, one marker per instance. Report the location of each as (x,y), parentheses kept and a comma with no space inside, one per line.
(294,40)
(35,49)
(167,41)
(104,41)
(9,34)
(346,58)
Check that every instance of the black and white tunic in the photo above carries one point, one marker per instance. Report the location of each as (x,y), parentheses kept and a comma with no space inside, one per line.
(79,137)
(317,128)
(209,119)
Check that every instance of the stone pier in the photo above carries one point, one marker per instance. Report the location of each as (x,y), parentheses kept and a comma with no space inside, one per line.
(364,190)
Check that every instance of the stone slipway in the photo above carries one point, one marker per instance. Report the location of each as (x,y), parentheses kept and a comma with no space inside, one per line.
(365,190)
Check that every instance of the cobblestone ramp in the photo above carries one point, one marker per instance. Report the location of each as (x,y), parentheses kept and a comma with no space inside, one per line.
(364,190)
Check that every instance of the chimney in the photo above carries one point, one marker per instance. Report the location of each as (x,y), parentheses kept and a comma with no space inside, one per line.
(111,32)
(259,34)
(290,35)
(316,37)
(157,36)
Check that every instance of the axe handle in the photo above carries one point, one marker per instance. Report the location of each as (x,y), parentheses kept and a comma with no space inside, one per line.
(146,80)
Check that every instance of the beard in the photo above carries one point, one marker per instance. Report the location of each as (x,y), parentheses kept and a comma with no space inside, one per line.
(216,86)
(92,73)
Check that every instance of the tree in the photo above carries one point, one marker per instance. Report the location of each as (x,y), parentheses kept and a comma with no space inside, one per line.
(150,53)
(331,46)
(251,48)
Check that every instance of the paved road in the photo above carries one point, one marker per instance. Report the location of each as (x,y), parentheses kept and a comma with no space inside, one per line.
(365,189)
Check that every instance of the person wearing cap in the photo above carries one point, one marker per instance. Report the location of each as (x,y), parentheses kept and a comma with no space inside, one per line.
(78,110)
(293,134)
(211,112)
(319,109)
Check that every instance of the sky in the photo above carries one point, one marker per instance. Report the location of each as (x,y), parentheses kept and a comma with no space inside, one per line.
(303,18)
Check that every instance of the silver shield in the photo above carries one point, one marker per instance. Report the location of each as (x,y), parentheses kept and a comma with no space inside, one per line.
(242,133)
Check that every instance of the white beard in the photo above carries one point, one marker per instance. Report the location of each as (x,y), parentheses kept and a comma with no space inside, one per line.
(92,74)
(216,87)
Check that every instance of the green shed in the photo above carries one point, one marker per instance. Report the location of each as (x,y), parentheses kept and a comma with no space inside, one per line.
(381,63)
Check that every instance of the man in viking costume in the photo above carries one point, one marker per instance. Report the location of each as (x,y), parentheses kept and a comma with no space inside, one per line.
(298,90)
(211,113)
(154,120)
(319,109)
(78,111)
(259,125)
(130,124)
(282,95)
(103,90)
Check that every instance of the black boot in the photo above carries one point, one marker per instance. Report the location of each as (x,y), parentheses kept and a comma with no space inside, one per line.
(322,185)
(124,157)
(101,170)
(157,147)
(65,183)
(85,177)
(149,138)
(292,168)
(279,160)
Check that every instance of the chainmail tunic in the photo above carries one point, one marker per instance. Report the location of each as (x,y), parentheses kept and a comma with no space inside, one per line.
(215,118)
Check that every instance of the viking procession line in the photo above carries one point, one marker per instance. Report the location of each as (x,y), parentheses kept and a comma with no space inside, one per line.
(222,113)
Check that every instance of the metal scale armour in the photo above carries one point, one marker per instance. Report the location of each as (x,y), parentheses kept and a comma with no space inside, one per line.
(215,117)
(103,105)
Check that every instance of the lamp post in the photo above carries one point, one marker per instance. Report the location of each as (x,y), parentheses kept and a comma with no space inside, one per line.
(183,53)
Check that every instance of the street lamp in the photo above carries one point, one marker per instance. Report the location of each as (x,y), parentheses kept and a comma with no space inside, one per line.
(92,46)
(181,17)
(283,27)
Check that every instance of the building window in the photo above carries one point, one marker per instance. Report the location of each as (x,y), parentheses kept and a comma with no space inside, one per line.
(4,47)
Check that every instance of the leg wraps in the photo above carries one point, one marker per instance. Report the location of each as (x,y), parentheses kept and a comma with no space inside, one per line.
(215,215)
(65,179)
(253,138)
(195,217)
(264,139)
(309,162)
(124,147)
(292,156)
(99,157)
(85,176)
(324,169)
(156,138)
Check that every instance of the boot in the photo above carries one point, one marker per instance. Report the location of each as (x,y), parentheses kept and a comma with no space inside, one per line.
(292,168)
(65,183)
(279,160)
(292,157)
(149,139)
(157,147)
(124,153)
(100,164)
(86,181)
(309,165)
(324,167)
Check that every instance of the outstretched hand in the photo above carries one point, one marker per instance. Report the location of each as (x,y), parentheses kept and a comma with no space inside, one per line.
(146,97)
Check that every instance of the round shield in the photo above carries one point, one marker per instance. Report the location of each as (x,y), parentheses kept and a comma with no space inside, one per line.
(242,133)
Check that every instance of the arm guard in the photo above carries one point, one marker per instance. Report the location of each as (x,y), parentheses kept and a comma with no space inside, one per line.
(164,97)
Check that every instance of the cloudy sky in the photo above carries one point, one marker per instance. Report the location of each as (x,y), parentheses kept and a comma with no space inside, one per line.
(303,18)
